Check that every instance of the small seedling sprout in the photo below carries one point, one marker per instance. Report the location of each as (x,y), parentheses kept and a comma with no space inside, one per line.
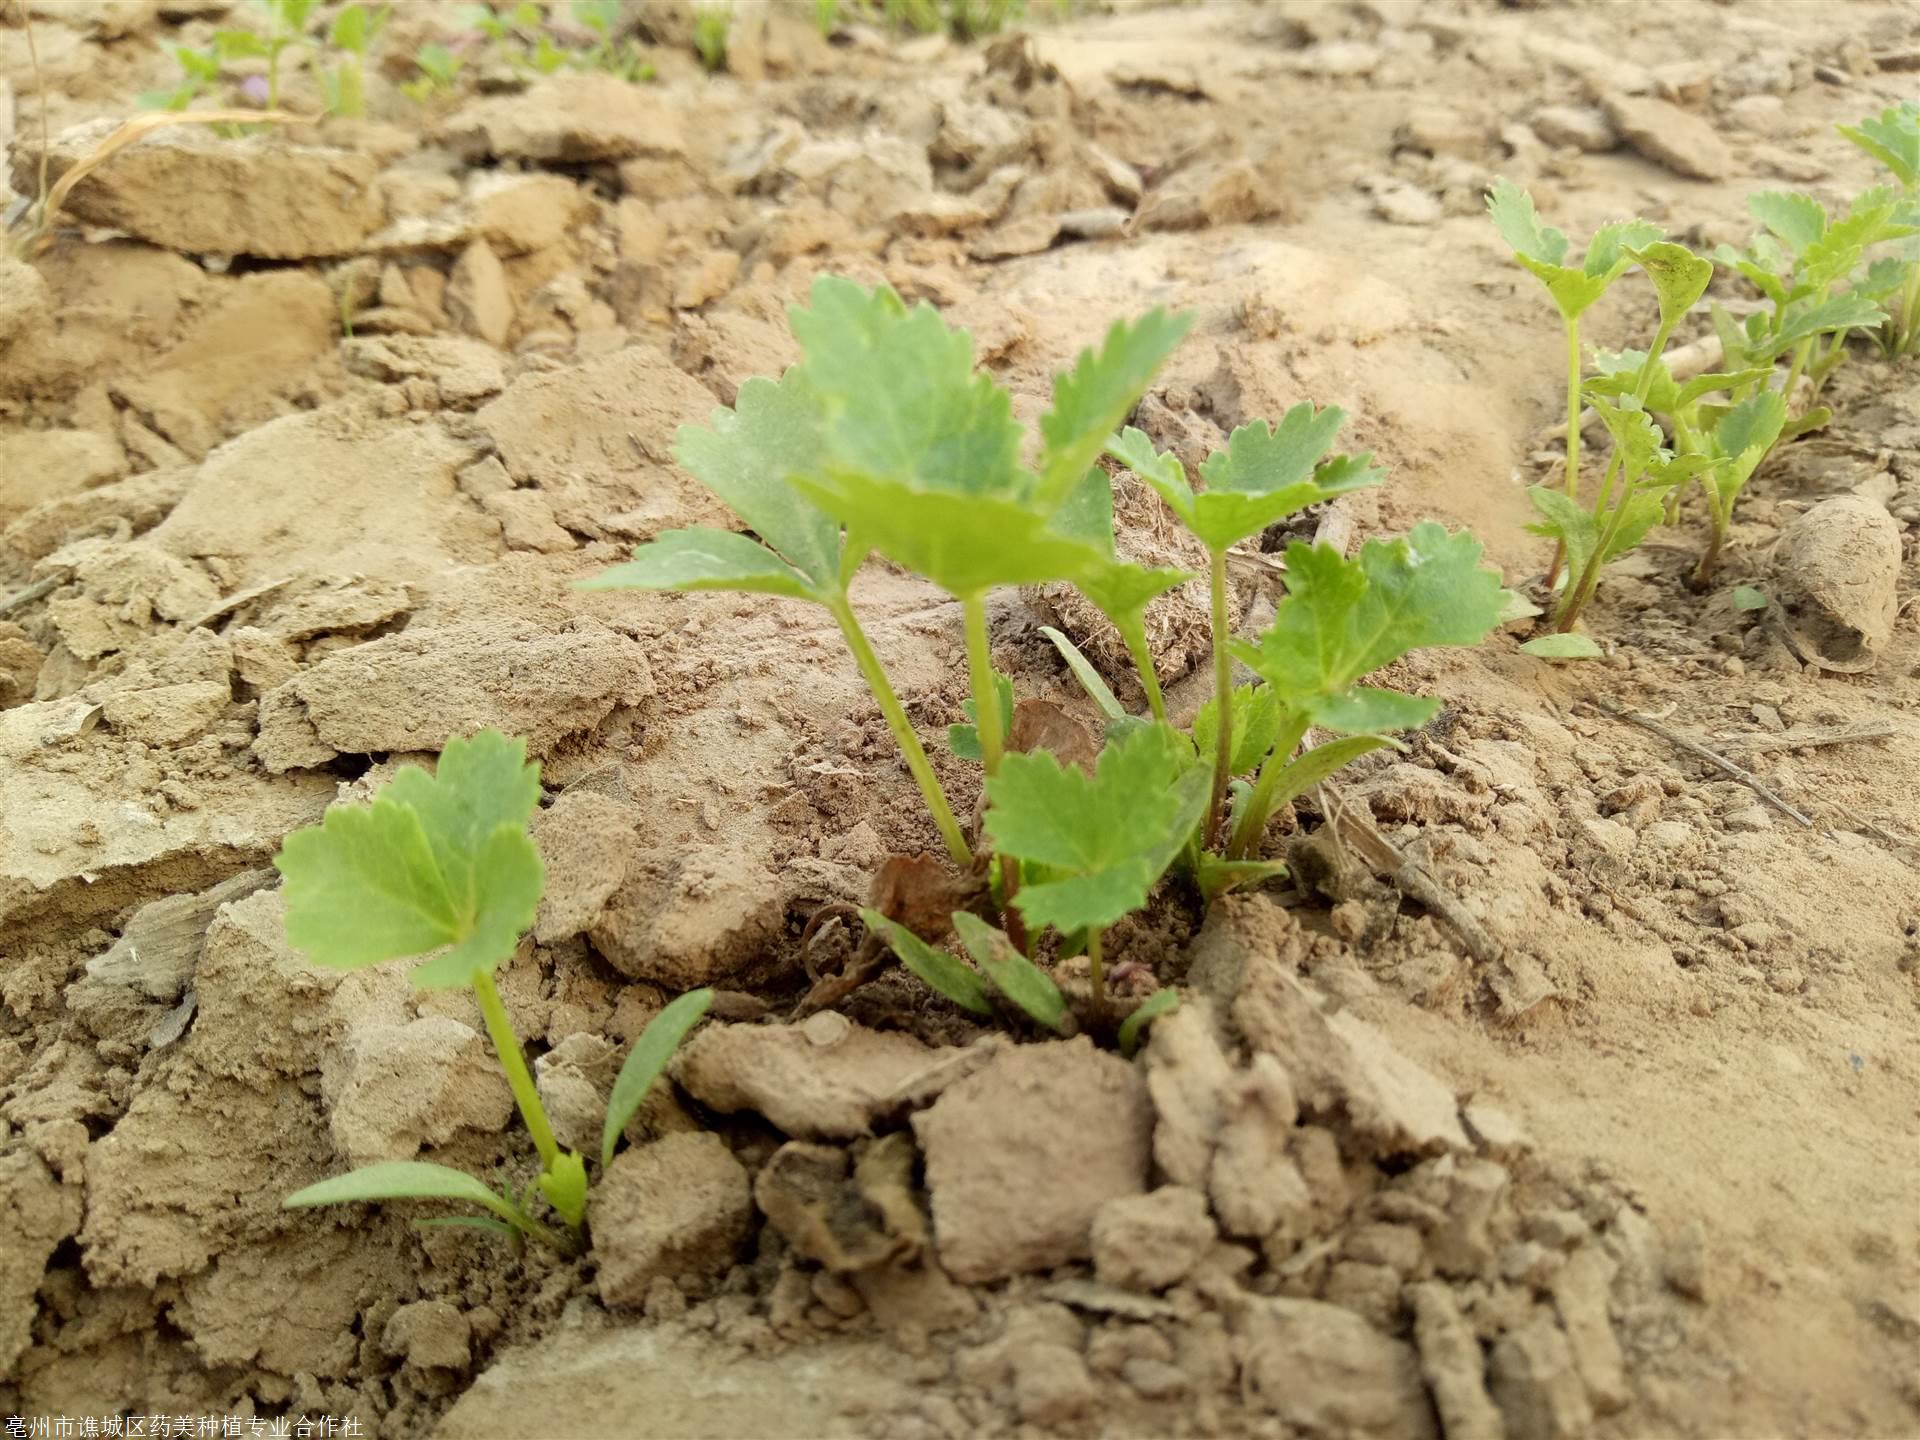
(441,865)
(711,25)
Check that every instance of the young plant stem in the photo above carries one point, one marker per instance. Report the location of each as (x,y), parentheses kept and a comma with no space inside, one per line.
(1579,593)
(1800,353)
(1096,973)
(1222,696)
(903,733)
(1263,801)
(988,725)
(1702,576)
(519,1080)
(1136,638)
(1573,437)
(986,695)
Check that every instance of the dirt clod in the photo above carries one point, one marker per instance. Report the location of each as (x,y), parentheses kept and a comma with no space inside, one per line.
(680,1206)
(1022,1155)
(1151,1241)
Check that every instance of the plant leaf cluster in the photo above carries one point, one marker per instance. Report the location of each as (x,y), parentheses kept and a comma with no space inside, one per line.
(885,439)
(441,866)
(1820,282)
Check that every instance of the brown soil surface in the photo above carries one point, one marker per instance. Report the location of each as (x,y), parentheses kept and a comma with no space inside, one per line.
(1647,1166)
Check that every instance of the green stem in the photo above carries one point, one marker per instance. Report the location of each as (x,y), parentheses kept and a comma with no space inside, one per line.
(903,732)
(1142,653)
(1589,579)
(1263,802)
(1606,485)
(1222,695)
(519,1079)
(1095,971)
(986,695)
(1572,476)
(1573,407)
(1800,353)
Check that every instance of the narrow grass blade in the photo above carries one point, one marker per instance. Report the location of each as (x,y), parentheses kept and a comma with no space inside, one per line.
(647,1059)
(1161,1002)
(1083,671)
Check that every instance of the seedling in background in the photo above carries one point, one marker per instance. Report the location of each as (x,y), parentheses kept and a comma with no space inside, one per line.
(439,68)
(1893,138)
(353,31)
(711,24)
(1342,620)
(1542,249)
(199,72)
(610,52)
(286,27)
(1265,474)
(441,864)
(1626,507)
(1795,263)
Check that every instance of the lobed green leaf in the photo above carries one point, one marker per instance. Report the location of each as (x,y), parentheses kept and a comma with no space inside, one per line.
(440,860)
(1258,715)
(1679,276)
(1343,619)
(745,456)
(700,558)
(1091,400)
(1893,138)
(1798,220)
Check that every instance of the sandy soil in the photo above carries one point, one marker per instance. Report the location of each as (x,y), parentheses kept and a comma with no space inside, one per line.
(303,440)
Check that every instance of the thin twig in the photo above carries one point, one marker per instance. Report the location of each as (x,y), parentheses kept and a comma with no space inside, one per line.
(43,586)
(1806,739)
(1694,747)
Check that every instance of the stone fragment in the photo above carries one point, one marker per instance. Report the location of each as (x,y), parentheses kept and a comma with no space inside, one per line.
(1051,1385)
(37,466)
(679,1206)
(1581,127)
(1462,1246)
(1580,1295)
(1021,1155)
(260,196)
(569,119)
(1151,1241)
(1325,1371)
(37,1213)
(690,916)
(812,1082)
(392,1088)
(1255,1183)
(478,299)
(597,439)
(1438,130)
(1339,1064)
(527,523)
(25,299)
(429,1335)
(167,714)
(1450,1359)
(1836,572)
(408,692)
(1535,1384)
(1187,1076)
(517,214)
(1669,136)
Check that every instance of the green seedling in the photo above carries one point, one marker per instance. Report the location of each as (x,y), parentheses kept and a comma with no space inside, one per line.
(884,439)
(962,19)
(441,865)
(199,72)
(286,27)
(1542,250)
(353,32)
(616,55)
(1342,620)
(1626,506)
(1796,262)
(1893,138)
(1091,847)
(439,68)
(826,17)
(711,25)
(1024,984)
(1265,474)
